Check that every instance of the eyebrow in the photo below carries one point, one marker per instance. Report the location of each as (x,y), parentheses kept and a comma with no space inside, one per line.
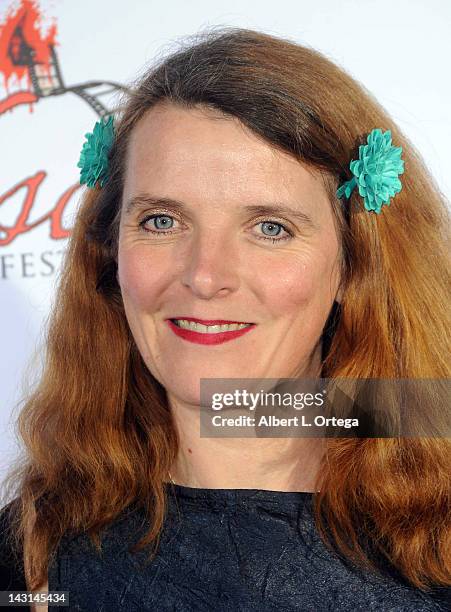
(141,201)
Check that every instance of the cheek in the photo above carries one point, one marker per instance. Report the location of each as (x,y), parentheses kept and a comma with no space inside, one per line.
(299,285)
(141,278)
(286,284)
(298,282)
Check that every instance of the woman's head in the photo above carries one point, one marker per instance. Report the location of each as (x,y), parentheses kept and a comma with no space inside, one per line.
(219,251)
(240,118)
(308,117)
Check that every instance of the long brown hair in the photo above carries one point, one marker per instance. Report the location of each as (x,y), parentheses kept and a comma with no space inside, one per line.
(97,429)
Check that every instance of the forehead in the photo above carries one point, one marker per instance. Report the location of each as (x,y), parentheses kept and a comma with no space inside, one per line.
(198,153)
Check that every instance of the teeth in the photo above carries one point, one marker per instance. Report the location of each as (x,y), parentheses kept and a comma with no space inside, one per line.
(210,329)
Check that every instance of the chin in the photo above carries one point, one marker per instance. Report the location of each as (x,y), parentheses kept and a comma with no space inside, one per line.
(188,394)
(187,387)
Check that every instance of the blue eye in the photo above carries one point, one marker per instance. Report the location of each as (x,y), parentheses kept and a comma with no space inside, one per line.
(165,218)
(163,225)
(158,223)
(271,226)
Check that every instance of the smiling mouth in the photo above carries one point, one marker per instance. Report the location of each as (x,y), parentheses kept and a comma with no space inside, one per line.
(216,328)
(199,333)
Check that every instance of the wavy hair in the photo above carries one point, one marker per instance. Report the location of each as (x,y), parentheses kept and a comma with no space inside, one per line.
(97,429)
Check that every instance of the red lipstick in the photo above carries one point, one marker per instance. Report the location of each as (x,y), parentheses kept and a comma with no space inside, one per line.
(203,338)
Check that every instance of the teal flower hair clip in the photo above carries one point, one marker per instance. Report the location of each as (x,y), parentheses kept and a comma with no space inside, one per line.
(376,171)
(94,154)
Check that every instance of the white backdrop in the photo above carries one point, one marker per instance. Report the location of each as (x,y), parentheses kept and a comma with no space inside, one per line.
(398,50)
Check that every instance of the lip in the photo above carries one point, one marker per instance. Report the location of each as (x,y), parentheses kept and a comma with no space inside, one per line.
(211,321)
(199,338)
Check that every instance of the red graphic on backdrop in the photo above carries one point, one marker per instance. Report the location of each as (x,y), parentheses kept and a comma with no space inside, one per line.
(31,186)
(25,52)
(28,59)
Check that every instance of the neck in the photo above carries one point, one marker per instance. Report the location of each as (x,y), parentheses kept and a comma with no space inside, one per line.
(277,464)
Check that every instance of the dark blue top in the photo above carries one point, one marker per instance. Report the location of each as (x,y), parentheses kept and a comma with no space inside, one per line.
(226,550)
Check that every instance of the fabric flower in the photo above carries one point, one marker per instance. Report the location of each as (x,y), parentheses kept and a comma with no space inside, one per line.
(376,171)
(94,154)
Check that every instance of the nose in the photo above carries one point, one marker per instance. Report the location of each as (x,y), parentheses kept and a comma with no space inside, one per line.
(211,266)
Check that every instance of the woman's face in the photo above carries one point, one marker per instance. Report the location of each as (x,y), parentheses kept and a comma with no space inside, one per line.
(215,249)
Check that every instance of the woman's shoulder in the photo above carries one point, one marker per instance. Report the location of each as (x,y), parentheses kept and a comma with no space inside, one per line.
(442,597)
(12,577)
(389,586)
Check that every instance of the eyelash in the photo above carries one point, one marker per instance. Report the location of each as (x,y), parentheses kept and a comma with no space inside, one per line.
(273,240)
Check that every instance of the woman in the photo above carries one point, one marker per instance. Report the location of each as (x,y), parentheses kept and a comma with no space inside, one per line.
(217,201)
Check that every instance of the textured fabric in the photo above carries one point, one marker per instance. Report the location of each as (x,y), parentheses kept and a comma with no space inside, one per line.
(225,550)
(12,577)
